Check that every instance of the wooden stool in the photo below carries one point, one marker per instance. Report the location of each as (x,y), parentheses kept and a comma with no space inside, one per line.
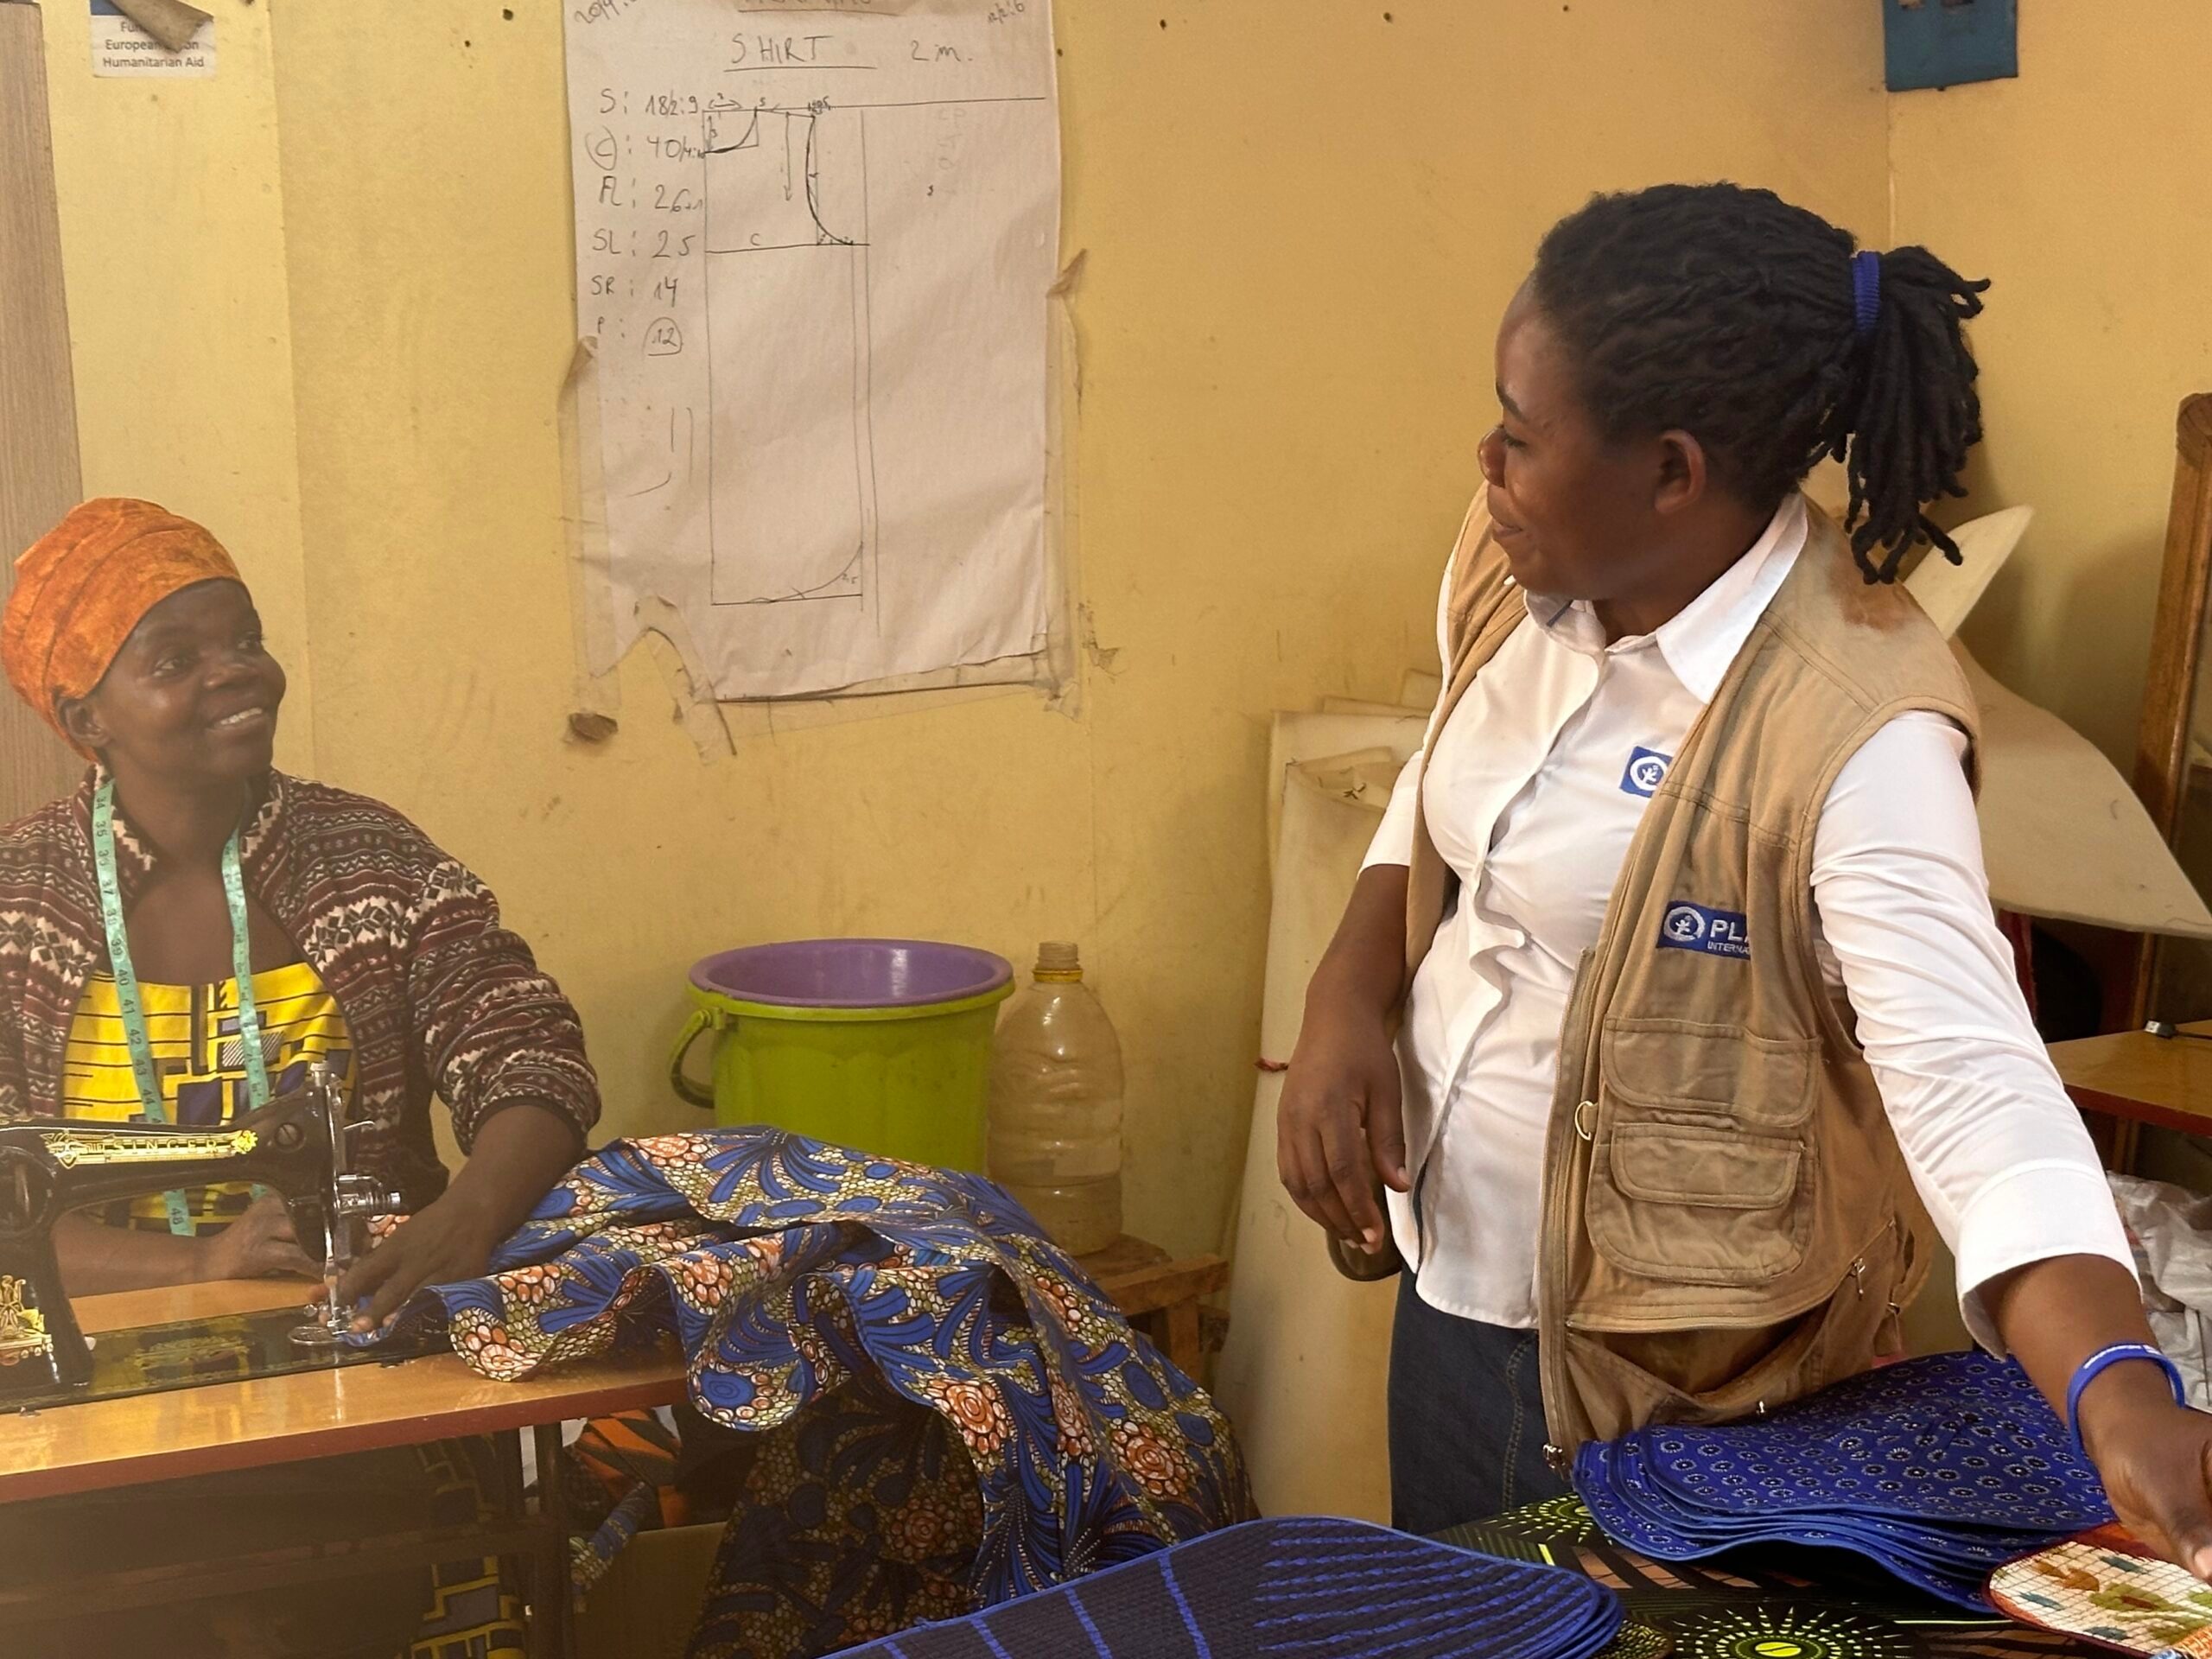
(1160,1296)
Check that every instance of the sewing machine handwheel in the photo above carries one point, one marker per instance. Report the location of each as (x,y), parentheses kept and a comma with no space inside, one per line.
(26,1192)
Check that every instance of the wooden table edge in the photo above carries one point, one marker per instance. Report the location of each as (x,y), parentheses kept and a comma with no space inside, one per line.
(2131,1110)
(1165,1284)
(493,1417)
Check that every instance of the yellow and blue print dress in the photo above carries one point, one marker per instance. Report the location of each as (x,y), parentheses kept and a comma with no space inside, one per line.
(199,1057)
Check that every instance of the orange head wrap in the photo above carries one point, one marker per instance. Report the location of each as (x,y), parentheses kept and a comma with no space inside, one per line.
(86,584)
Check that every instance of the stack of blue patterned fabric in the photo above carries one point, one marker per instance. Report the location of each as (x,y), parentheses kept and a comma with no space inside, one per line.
(1314,1589)
(1938,1469)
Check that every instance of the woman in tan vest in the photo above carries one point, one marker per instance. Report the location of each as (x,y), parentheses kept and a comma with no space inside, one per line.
(1670,1022)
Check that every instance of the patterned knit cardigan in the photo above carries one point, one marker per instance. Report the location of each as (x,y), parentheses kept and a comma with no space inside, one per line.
(438,996)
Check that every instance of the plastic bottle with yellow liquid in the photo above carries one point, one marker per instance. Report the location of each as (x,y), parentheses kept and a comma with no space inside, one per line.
(1056,1105)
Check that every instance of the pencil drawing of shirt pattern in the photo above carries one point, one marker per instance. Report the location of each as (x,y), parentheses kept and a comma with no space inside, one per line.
(952,1415)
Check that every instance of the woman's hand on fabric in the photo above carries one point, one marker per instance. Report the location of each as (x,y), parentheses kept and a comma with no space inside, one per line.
(1341,1124)
(519,1152)
(259,1244)
(450,1240)
(2155,1457)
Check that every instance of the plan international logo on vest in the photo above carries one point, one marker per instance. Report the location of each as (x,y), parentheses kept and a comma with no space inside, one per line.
(1647,770)
(1716,932)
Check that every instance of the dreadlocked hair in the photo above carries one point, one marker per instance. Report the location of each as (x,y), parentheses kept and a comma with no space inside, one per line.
(1730,314)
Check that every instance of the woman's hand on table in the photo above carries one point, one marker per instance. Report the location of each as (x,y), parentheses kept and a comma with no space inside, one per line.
(2155,1457)
(96,1259)
(259,1244)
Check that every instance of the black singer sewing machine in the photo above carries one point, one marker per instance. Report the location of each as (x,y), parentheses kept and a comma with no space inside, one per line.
(296,1145)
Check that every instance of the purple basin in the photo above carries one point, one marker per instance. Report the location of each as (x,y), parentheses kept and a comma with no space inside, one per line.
(852,973)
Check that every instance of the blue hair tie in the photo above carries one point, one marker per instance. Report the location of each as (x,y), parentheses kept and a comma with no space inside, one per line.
(1866,290)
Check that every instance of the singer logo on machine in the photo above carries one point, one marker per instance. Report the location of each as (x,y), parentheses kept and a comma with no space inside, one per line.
(1647,770)
(1696,927)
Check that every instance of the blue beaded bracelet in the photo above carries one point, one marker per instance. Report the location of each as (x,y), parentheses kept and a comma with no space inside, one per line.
(2093,1367)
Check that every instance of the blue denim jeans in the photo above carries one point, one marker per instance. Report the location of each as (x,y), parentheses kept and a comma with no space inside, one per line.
(1467,1418)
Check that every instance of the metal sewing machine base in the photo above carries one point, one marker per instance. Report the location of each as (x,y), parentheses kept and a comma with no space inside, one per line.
(188,1354)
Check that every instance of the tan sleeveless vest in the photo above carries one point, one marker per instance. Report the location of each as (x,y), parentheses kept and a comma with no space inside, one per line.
(1728,1222)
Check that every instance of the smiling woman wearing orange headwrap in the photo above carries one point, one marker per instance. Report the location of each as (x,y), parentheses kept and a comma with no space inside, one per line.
(351,940)
(81,590)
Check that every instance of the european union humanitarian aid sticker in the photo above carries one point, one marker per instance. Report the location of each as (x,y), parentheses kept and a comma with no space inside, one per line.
(1695,927)
(1647,770)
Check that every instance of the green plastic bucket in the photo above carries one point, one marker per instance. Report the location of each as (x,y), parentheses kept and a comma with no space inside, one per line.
(880,1045)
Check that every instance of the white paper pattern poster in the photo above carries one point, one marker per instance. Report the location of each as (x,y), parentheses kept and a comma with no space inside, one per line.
(813,244)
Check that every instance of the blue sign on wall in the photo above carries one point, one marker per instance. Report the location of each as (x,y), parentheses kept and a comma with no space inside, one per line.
(1948,42)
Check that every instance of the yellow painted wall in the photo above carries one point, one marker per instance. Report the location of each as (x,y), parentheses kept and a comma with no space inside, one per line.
(173,251)
(1302,218)
(2079,189)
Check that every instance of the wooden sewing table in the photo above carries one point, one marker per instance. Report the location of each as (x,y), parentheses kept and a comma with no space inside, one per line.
(233,1426)
(223,1426)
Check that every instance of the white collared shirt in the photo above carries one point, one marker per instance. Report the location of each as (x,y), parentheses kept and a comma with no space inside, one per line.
(1533,789)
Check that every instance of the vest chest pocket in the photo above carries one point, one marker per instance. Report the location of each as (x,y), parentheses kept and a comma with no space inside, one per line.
(1765,1083)
(1702,1169)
